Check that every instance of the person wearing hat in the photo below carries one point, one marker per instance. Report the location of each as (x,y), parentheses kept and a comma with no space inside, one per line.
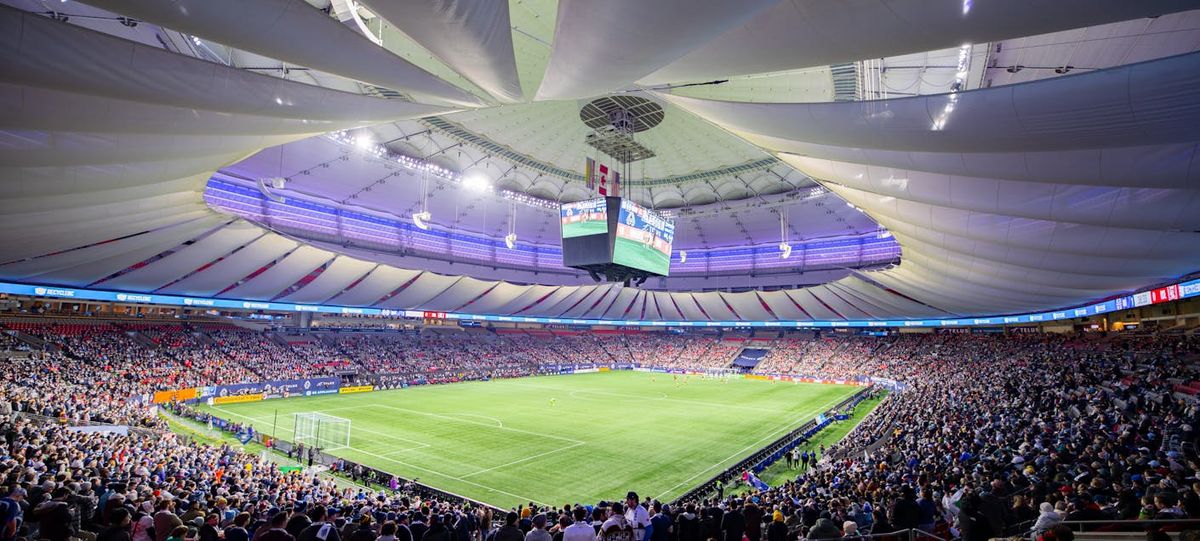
(538,533)
(777,530)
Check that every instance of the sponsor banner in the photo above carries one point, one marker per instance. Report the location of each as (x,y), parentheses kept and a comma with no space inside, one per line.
(588,370)
(603,369)
(180,395)
(356,389)
(275,389)
(1160,295)
(219,400)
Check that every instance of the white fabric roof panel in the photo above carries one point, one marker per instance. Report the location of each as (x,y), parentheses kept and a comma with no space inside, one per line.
(427,287)
(527,295)
(714,305)
(554,304)
(48,109)
(666,306)
(499,297)
(271,282)
(837,303)
(1124,207)
(1149,103)
(96,262)
(688,306)
(895,305)
(58,235)
(782,305)
(232,268)
(379,282)
(747,305)
(810,304)
(38,51)
(593,299)
(340,273)
(617,308)
(174,266)
(1038,233)
(473,37)
(601,47)
(165,238)
(464,290)
(270,28)
(804,33)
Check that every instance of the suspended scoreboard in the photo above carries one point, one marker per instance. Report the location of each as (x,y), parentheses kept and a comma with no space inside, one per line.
(616,238)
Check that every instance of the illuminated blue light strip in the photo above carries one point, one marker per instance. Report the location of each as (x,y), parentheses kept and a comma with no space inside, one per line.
(1165,294)
(323,219)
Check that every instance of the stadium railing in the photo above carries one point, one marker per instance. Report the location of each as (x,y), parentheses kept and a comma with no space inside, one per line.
(786,442)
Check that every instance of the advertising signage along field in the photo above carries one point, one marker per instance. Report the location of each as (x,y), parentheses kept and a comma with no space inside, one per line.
(584,218)
(1181,290)
(643,239)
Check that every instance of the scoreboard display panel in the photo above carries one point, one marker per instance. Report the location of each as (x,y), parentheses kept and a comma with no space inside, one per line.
(643,239)
(584,218)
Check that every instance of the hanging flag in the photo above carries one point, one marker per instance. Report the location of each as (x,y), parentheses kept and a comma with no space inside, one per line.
(589,174)
(615,188)
(603,174)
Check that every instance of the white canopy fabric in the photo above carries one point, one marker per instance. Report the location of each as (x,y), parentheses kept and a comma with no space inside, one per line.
(804,33)
(993,206)
(600,47)
(1020,198)
(472,36)
(270,28)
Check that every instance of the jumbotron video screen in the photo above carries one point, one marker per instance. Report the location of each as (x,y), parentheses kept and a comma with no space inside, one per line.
(643,239)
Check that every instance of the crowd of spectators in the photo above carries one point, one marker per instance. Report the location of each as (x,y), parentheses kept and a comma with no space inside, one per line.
(994,435)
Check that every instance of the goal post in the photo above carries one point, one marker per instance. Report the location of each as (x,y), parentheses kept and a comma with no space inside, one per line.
(326,432)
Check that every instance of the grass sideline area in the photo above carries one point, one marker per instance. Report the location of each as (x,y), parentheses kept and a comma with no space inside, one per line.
(778,473)
(506,442)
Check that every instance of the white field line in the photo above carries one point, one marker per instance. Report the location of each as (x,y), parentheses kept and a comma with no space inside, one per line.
(420,444)
(448,476)
(573,440)
(414,466)
(572,392)
(526,459)
(791,426)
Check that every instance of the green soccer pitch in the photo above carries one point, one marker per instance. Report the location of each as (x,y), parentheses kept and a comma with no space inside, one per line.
(583,229)
(503,442)
(634,254)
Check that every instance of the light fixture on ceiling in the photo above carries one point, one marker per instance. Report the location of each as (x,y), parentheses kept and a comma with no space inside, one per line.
(476,181)
(785,249)
(510,240)
(421,219)
(364,141)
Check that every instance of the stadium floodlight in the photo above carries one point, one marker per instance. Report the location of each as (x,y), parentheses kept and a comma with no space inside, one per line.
(476,181)
(364,141)
(421,219)
(322,431)
(510,240)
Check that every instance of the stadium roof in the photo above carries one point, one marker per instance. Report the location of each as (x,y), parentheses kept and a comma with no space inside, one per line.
(933,158)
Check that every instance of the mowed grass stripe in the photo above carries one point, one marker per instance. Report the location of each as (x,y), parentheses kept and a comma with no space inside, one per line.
(503,443)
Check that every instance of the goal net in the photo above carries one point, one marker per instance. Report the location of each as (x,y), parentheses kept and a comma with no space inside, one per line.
(325,432)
